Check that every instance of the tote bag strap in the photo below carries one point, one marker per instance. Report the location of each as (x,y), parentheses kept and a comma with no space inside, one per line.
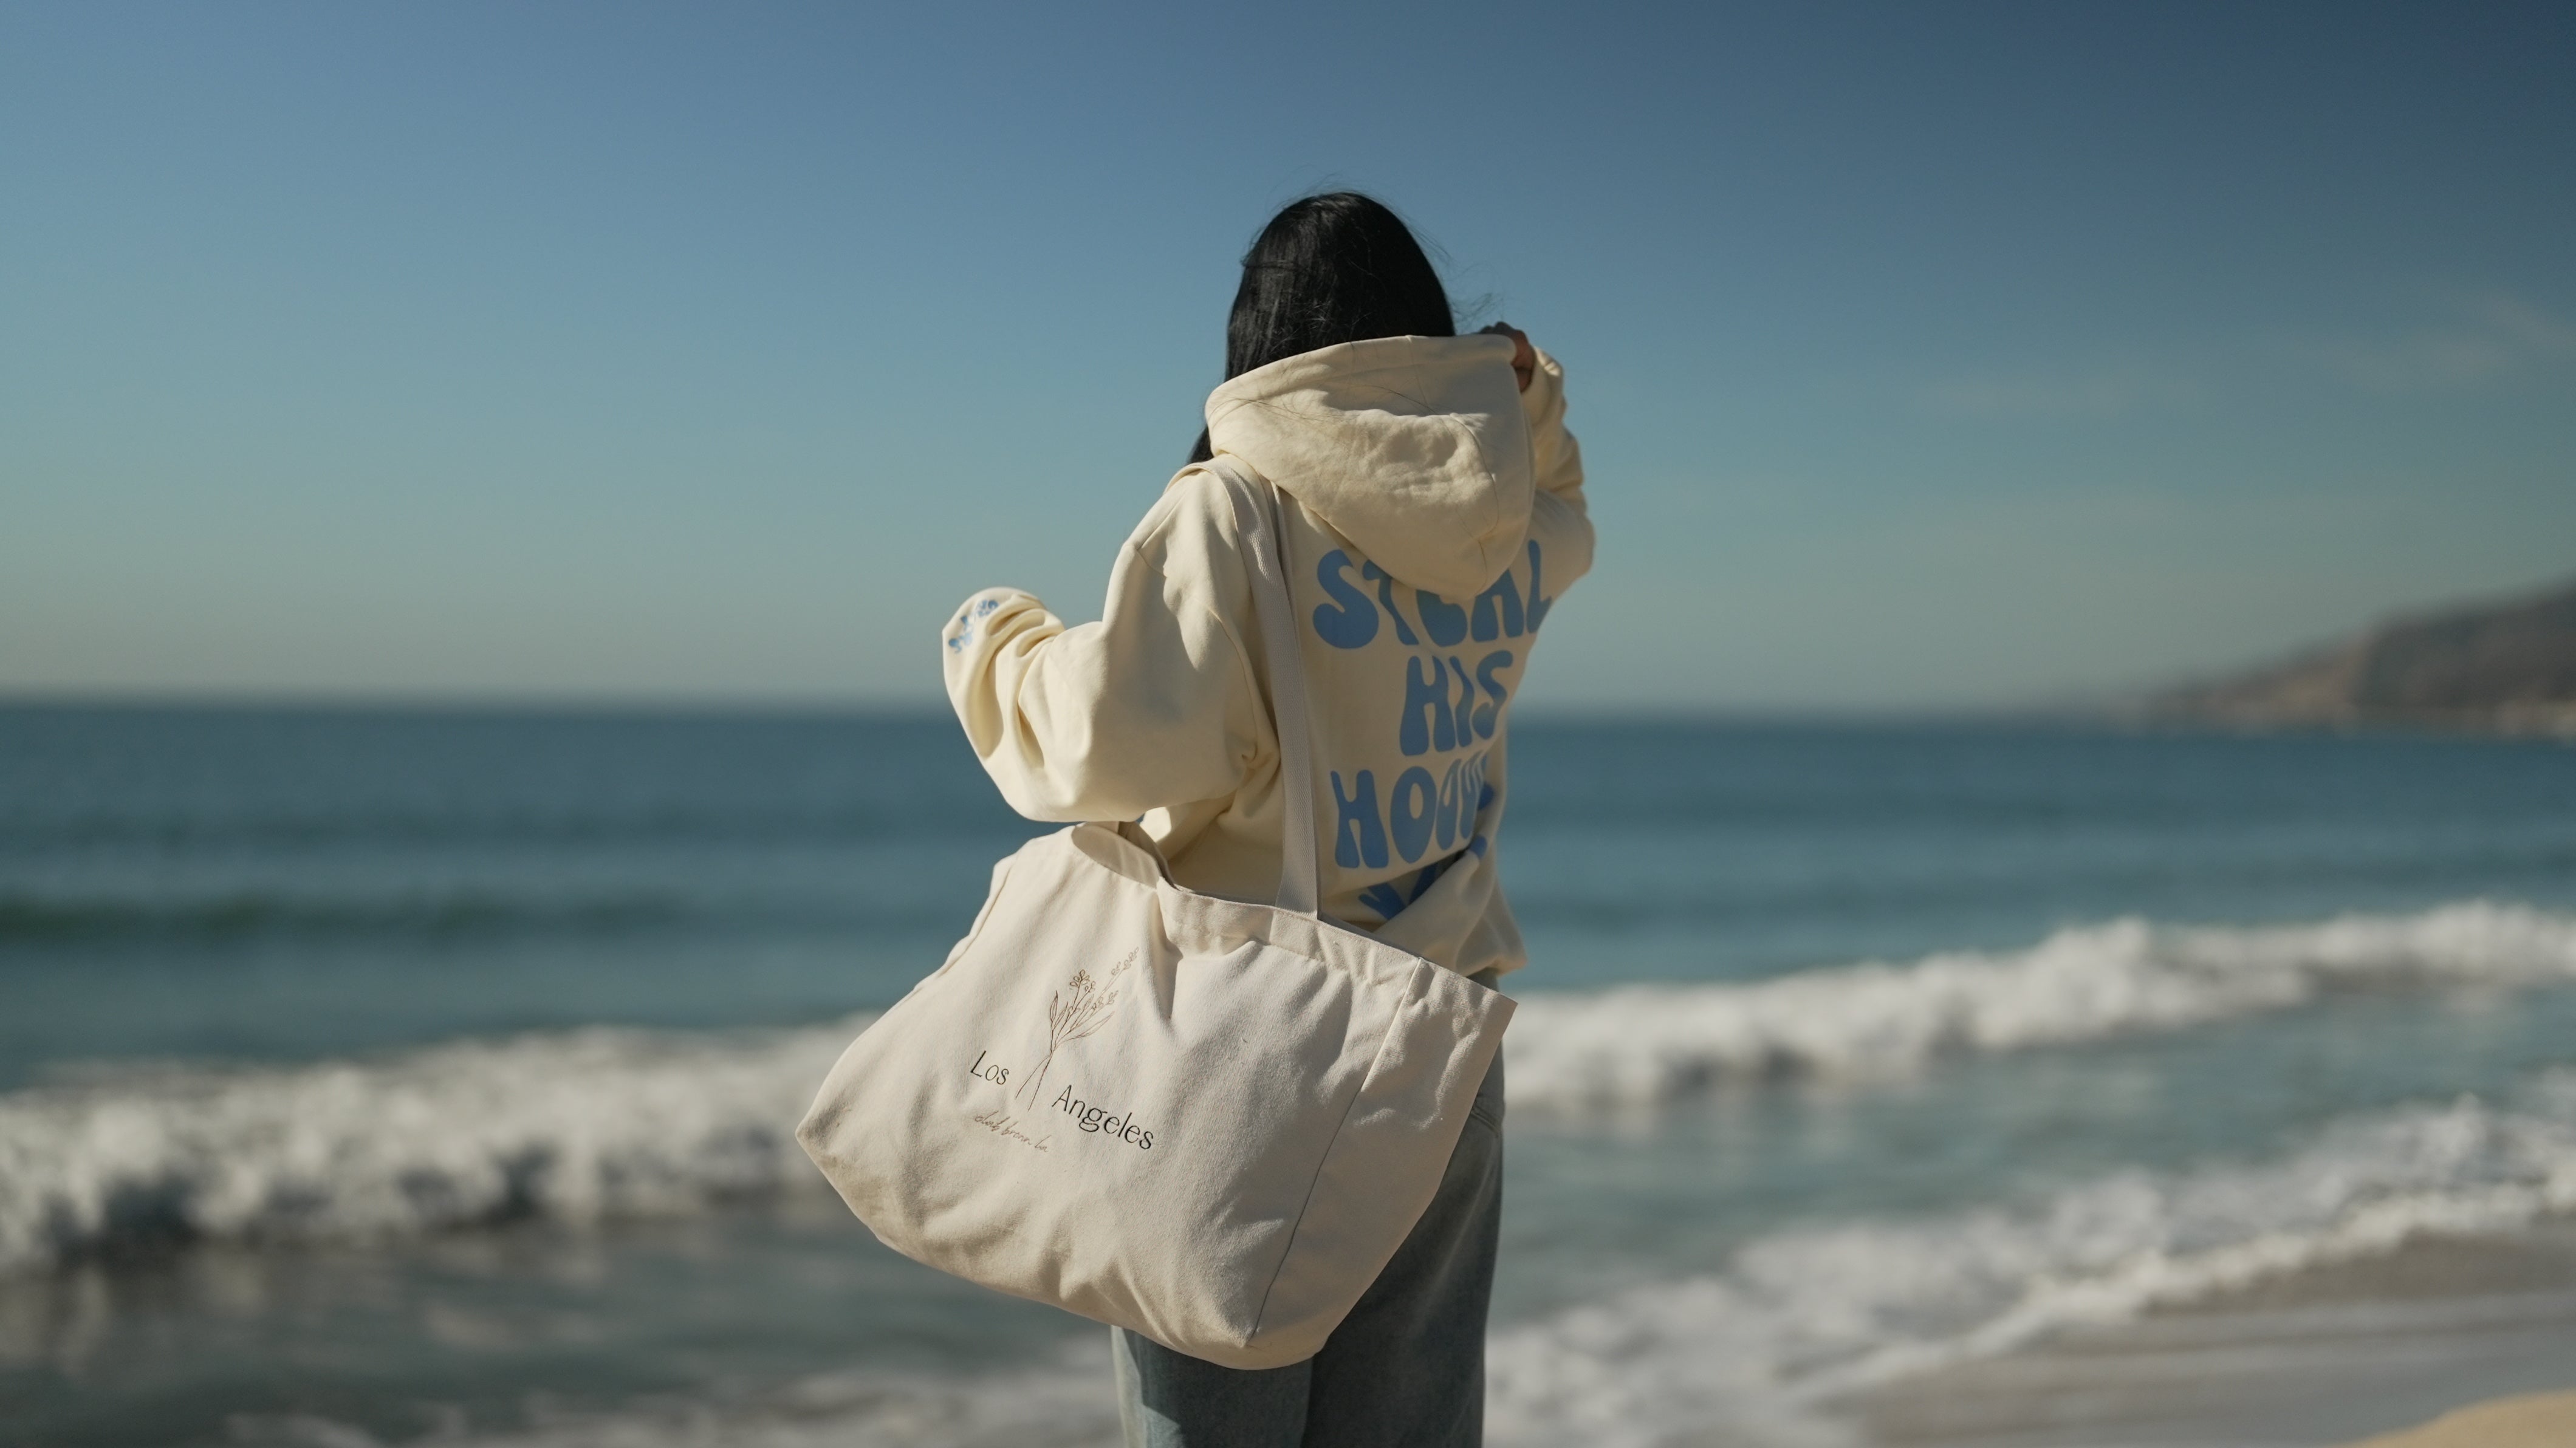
(1265,553)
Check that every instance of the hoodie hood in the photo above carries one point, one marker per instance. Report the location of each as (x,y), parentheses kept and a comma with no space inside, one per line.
(1413,448)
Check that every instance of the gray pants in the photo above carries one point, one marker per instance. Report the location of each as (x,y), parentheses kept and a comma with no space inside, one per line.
(1405,1370)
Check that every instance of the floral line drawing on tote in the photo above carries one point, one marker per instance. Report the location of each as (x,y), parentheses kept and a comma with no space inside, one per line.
(1075,1012)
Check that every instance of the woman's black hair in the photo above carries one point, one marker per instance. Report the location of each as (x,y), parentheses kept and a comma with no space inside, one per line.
(1334,268)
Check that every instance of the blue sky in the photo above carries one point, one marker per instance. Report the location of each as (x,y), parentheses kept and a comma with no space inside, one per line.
(1924,357)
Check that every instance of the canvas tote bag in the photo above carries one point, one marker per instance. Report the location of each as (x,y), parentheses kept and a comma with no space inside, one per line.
(1205,1121)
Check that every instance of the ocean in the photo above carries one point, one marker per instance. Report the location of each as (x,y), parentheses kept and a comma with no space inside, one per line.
(375,1077)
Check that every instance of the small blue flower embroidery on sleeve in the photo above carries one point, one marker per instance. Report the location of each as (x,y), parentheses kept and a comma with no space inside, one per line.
(965,624)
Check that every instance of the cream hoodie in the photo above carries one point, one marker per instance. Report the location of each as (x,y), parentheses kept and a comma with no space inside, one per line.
(1433,515)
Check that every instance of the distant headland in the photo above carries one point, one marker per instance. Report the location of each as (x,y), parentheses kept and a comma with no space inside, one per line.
(2508,666)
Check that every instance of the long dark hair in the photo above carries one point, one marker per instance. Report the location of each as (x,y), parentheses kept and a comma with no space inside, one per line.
(1334,268)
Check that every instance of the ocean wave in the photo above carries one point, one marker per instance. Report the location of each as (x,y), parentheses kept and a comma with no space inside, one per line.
(573,1126)
(1641,1044)
(45,919)
(597,1123)
(896,823)
(1802,1320)
(1765,1352)
(471,914)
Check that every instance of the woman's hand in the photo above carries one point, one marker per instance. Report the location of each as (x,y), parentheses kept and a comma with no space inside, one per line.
(1524,356)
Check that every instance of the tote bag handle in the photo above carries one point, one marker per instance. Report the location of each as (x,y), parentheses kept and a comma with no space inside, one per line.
(1265,552)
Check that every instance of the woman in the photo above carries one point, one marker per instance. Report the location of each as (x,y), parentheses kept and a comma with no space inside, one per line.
(1432,511)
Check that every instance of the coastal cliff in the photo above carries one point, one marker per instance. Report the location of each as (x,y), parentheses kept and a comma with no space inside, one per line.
(2508,666)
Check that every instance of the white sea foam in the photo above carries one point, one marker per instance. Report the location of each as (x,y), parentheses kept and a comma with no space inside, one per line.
(1647,1043)
(1760,1353)
(1807,1317)
(580,1125)
(572,1126)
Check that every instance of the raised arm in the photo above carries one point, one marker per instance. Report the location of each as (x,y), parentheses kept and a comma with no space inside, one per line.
(1152,706)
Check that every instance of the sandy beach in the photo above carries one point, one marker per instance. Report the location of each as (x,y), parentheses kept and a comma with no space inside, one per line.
(2537,1420)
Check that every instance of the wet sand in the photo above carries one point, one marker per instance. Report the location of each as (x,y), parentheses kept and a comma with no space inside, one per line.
(2338,1355)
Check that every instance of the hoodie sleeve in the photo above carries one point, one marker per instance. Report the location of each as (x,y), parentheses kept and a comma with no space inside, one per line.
(1153,706)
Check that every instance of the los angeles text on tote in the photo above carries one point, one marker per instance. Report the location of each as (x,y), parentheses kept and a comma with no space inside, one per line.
(1205,1121)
